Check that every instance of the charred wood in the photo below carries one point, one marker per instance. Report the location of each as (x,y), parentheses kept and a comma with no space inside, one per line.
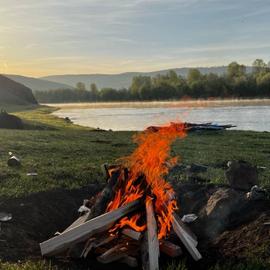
(170,249)
(114,254)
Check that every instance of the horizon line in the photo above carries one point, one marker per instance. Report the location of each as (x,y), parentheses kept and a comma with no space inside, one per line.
(119,73)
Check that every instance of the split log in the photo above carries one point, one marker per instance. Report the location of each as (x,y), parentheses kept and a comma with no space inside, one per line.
(77,222)
(189,233)
(130,261)
(75,250)
(86,230)
(88,247)
(114,254)
(170,249)
(192,237)
(185,238)
(152,239)
(105,171)
(132,234)
(95,243)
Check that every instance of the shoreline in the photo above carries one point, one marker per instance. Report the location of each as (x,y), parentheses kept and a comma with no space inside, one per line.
(163,104)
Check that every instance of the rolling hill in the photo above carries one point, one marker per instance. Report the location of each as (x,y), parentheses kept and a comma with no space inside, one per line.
(123,80)
(14,93)
(37,84)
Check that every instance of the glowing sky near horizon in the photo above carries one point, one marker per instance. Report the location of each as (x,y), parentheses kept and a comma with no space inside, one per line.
(39,38)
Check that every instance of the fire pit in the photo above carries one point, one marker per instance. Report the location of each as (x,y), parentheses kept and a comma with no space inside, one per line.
(135,213)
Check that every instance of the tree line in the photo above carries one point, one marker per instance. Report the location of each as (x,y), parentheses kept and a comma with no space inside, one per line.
(235,83)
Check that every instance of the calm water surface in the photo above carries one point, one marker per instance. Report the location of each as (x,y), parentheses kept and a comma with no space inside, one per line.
(255,118)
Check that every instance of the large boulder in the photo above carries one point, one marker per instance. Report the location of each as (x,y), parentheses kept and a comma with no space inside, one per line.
(221,203)
(241,175)
(219,209)
(15,93)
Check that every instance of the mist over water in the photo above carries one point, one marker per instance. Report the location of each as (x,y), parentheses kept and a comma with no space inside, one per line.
(256,118)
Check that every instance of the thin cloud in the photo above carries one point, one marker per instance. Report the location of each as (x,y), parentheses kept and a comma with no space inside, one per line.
(125,35)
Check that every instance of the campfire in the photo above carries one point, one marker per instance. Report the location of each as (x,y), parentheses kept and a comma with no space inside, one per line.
(132,219)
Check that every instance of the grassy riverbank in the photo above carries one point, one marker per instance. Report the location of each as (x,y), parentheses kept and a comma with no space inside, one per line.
(69,156)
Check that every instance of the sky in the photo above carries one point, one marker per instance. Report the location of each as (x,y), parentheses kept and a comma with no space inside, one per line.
(47,37)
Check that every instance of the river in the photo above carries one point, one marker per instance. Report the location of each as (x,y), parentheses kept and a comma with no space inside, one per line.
(256,118)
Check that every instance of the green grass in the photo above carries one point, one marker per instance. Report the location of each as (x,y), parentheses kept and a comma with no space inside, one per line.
(176,265)
(254,264)
(70,156)
(40,265)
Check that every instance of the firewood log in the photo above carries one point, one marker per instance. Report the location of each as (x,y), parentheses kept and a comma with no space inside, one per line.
(84,231)
(152,238)
(185,238)
(114,254)
(132,234)
(170,249)
(105,196)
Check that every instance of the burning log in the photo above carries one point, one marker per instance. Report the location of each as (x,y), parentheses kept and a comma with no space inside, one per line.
(85,230)
(132,234)
(105,196)
(152,239)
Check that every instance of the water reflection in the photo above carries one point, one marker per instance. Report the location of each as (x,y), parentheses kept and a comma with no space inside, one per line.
(244,117)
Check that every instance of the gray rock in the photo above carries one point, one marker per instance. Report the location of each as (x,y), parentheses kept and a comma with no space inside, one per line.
(218,209)
(256,193)
(241,175)
(221,203)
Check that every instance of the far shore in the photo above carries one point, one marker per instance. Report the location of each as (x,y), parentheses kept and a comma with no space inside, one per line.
(162,104)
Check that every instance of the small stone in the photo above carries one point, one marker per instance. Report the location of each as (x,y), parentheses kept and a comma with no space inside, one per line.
(14,161)
(256,193)
(5,216)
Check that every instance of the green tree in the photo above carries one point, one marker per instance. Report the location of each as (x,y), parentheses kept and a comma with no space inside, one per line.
(109,94)
(80,86)
(141,87)
(235,70)
(193,75)
(259,66)
(94,92)
(263,84)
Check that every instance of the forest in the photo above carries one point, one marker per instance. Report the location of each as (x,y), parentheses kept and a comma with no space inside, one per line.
(235,83)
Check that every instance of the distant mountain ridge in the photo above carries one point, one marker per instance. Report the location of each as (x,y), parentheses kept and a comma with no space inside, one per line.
(37,84)
(14,93)
(123,80)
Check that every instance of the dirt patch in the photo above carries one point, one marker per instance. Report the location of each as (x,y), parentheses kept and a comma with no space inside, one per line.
(249,240)
(36,218)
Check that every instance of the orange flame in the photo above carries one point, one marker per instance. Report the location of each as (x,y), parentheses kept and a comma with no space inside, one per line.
(150,161)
